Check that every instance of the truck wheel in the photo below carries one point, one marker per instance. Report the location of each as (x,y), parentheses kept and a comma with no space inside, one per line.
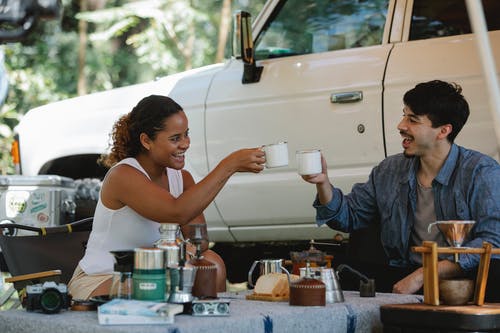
(86,196)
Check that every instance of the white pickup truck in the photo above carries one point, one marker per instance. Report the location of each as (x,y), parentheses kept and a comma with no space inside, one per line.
(315,73)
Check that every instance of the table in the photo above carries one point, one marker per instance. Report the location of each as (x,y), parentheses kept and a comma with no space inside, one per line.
(425,318)
(356,314)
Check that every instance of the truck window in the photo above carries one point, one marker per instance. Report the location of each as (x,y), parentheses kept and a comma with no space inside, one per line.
(431,19)
(312,26)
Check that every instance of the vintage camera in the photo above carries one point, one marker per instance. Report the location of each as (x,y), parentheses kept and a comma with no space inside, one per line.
(210,307)
(48,297)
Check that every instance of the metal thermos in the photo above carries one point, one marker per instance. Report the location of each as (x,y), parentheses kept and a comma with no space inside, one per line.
(149,274)
(168,243)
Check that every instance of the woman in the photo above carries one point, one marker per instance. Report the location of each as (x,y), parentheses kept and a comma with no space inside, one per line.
(147,185)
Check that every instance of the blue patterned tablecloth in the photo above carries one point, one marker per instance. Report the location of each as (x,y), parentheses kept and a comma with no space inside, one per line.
(356,314)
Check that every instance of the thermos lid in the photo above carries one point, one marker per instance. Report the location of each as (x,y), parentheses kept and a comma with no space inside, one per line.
(149,258)
(164,227)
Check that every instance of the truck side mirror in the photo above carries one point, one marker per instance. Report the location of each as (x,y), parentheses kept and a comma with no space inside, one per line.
(19,17)
(243,47)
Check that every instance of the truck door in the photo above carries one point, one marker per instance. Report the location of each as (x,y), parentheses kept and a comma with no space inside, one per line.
(437,43)
(321,87)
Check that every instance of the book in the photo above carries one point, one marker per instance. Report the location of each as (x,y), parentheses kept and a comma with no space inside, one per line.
(130,312)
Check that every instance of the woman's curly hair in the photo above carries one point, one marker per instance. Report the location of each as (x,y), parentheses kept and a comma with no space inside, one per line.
(148,117)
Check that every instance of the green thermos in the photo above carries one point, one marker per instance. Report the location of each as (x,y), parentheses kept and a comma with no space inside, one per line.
(149,274)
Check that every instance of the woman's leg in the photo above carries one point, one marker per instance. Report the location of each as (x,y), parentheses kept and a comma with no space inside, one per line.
(83,286)
(102,289)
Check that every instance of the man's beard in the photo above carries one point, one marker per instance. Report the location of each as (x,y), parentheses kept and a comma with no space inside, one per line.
(408,155)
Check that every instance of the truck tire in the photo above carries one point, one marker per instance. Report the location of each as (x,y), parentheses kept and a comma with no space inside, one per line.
(86,196)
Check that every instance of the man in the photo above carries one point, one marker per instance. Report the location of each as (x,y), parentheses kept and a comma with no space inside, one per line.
(433,179)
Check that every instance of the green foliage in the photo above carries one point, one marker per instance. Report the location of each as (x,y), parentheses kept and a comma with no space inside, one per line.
(129,42)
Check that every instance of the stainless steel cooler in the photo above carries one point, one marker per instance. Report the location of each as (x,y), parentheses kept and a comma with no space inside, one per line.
(39,201)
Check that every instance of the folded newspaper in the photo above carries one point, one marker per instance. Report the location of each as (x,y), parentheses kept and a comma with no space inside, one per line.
(129,312)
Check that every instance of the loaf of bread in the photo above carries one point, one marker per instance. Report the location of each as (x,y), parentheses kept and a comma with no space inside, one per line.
(273,284)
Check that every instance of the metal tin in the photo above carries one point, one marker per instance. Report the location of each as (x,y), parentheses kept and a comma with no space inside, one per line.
(149,258)
(37,201)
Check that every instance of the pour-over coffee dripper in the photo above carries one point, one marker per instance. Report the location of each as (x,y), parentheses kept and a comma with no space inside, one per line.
(455,231)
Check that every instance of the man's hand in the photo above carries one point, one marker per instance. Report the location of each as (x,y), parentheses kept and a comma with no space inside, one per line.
(318,178)
(323,185)
(413,282)
(410,284)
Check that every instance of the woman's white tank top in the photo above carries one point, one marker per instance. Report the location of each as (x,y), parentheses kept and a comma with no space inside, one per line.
(122,229)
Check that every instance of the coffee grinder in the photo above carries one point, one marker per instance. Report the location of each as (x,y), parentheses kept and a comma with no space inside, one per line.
(205,283)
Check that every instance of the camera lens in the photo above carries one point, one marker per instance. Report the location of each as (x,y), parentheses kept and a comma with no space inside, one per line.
(222,308)
(51,300)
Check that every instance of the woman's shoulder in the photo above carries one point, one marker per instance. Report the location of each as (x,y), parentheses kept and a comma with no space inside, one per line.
(129,161)
(129,165)
(125,170)
(187,178)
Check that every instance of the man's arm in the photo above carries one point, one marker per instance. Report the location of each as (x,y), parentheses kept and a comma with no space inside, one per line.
(413,282)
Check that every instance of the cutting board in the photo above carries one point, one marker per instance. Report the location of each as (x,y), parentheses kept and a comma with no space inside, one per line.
(269,298)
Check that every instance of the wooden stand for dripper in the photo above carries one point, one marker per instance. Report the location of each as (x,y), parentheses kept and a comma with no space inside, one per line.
(430,252)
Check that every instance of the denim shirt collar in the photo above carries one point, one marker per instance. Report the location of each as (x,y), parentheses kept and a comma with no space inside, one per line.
(443,177)
(446,171)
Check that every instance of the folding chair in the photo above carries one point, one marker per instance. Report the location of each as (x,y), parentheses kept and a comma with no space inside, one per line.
(52,252)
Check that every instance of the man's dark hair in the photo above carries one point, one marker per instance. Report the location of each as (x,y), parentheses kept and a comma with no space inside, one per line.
(442,102)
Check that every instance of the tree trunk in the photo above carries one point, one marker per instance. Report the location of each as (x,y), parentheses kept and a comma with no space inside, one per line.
(82,46)
(224,27)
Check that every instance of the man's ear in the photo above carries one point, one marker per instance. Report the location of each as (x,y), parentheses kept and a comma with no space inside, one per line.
(145,140)
(444,131)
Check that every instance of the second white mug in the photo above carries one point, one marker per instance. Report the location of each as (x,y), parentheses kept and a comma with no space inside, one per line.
(309,161)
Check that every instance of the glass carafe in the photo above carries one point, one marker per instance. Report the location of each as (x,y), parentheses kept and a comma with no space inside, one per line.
(121,285)
(121,282)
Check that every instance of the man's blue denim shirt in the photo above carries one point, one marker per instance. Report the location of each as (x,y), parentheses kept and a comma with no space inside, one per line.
(466,188)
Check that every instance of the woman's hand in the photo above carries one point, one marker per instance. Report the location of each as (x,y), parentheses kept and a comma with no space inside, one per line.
(246,160)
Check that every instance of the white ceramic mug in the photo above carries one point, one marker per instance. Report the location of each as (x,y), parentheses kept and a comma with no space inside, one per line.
(309,161)
(276,154)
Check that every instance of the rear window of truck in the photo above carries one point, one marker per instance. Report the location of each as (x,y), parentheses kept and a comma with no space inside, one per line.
(431,18)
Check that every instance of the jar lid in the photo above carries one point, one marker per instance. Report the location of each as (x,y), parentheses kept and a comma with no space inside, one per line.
(149,258)
(307,283)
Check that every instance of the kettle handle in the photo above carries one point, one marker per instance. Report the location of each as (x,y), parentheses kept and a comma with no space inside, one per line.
(287,274)
(250,273)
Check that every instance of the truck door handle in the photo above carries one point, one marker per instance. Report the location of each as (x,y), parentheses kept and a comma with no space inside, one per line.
(346,97)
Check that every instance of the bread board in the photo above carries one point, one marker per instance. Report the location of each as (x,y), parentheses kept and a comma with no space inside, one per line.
(269,298)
